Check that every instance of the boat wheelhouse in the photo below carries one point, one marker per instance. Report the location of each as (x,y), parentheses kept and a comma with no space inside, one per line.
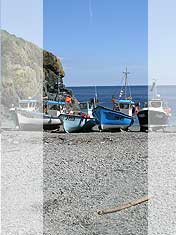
(29,104)
(155,114)
(124,106)
(87,107)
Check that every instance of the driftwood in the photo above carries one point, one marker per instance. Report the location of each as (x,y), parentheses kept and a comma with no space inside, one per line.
(123,206)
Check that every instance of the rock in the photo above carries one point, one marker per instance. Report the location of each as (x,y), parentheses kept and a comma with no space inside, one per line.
(52,63)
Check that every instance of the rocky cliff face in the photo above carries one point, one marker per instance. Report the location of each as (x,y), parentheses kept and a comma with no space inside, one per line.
(27,71)
(21,68)
(53,85)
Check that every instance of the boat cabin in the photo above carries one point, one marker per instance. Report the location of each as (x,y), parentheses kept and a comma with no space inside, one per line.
(156,103)
(87,107)
(54,108)
(124,106)
(49,106)
(29,104)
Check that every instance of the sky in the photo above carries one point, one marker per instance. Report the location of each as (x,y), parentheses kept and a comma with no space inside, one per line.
(24,18)
(161,41)
(97,39)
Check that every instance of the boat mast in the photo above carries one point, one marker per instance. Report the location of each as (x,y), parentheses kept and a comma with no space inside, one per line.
(154,89)
(96,95)
(126,81)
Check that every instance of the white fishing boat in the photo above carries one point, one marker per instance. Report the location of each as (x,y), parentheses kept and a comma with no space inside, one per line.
(155,115)
(31,120)
(30,115)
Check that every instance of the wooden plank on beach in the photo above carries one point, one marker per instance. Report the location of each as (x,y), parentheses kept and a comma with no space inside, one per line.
(123,206)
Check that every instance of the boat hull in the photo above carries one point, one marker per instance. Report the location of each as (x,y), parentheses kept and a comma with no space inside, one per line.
(37,121)
(73,123)
(109,119)
(153,119)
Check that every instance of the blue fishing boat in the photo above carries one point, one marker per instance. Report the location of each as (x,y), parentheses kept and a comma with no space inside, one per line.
(121,115)
(109,119)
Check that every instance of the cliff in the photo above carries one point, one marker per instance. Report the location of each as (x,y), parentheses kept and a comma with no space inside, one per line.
(28,71)
(53,85)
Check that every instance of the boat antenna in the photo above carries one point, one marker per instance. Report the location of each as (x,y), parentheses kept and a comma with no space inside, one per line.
(154,89)
(126,81)
(129,86)
(121,89)
(96,95)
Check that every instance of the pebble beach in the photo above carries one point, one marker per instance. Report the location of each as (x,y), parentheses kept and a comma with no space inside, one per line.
(55,183)
(87,172)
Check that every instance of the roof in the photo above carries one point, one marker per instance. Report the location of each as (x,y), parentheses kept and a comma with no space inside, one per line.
(153,100)
(28,101)
(125,101)
(37,101)
(55,102)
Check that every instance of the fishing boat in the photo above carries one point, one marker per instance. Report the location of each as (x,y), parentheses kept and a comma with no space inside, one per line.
(121,116)
(30,115)
(77,123)
(81,122)
(29,120)
(155,115)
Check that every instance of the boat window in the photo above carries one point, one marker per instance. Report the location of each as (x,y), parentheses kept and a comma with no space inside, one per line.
(23,105)
(83,105)
(124,106)
(155,104)
(31,105)
(116,107)
(52,107)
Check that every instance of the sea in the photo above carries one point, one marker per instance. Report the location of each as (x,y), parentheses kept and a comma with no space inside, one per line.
(139,94)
